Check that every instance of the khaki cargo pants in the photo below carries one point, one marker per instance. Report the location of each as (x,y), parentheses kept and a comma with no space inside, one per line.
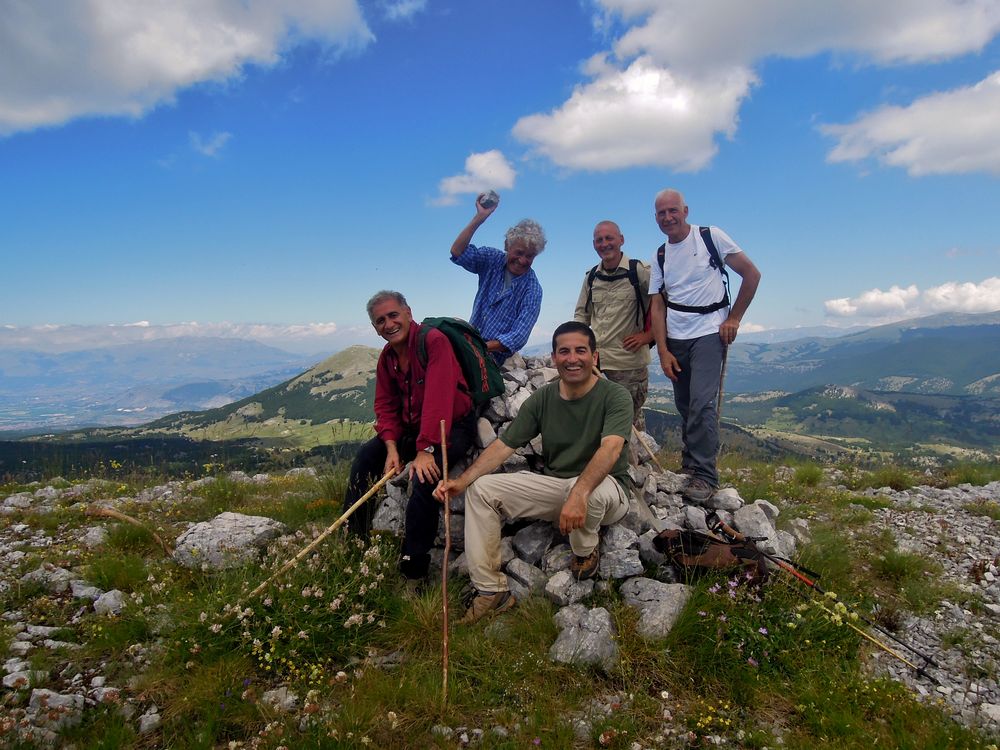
(495,497)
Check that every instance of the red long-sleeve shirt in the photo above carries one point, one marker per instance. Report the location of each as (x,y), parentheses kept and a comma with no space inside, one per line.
(417,401)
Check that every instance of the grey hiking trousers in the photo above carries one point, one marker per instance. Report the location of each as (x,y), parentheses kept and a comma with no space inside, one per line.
(695,394)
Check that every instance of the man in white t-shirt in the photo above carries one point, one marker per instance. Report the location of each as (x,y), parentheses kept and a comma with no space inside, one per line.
(692,327)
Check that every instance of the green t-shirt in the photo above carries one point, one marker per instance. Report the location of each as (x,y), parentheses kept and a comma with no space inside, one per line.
(572,430)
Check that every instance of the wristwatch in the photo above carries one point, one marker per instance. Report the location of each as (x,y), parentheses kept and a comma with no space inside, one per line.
(429,449)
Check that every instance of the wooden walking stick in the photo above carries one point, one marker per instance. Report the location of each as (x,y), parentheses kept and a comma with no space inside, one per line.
(649,451)
(444,570)
(330,529)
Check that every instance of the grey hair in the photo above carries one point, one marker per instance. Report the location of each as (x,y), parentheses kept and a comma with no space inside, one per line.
(382,296)
(529,231)
(670,191)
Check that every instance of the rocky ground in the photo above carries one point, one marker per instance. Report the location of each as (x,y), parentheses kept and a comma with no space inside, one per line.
(964,640)
(946,524)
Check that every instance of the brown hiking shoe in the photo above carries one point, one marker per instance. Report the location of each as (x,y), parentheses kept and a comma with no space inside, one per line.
(698,491)
(487,605)
(585,568)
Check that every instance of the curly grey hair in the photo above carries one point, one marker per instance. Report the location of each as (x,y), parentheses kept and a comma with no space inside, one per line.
(382,296)
(528,231)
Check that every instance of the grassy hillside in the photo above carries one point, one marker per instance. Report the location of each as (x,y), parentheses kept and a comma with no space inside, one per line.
(889,420)
(947,354)
(329,403)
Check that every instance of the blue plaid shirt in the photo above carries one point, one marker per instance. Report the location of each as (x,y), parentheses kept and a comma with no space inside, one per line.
(505,315)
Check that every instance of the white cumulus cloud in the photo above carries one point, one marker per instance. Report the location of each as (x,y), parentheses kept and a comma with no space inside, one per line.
(402,10)
(484,170)
(943,133)
(677,74)
(642,115)
(898,303)
(60,61)
(210,146)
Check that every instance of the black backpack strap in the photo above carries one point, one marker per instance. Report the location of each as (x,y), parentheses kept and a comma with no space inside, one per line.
(640,302)
(661,253)
(590,286)
(716,261)
(422,345)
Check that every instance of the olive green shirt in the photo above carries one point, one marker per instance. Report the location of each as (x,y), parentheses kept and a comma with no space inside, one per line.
(572,430)
(612,315)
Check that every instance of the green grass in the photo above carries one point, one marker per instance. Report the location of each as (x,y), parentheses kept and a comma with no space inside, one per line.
(753,667)
(972,473)
(128,538)
(983,507)
(808,475)
(894,476)
(126,572)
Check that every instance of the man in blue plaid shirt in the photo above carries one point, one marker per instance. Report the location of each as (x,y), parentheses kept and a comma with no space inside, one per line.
(509,297)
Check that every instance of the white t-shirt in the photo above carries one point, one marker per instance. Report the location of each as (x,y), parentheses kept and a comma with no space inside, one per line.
(690,280)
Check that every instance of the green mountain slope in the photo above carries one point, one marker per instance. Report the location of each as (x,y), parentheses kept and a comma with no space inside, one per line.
(947,354)
(329,403)
(890,420)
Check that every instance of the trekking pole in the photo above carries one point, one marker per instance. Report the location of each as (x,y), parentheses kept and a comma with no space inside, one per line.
(330,529)
(720,526)
(877,642)
(444,570)
(722,385)
(649,451)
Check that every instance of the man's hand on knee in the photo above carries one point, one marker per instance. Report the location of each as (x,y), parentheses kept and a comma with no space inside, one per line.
(425,468)
(574,512)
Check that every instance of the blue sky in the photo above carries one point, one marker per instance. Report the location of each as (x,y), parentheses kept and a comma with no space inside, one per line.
(203,166)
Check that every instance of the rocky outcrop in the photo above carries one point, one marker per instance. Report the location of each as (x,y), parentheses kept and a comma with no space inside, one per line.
(228,540)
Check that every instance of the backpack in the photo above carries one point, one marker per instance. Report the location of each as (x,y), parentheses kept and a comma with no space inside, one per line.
(632,275)
(715,261)
(482,374)
(699,551)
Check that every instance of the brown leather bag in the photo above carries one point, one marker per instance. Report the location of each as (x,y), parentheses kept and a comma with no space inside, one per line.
(699,551)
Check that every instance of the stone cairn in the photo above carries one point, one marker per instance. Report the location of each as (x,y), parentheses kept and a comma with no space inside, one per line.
(536,557)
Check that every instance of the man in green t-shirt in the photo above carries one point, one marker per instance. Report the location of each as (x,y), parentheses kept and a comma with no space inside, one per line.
(585,422)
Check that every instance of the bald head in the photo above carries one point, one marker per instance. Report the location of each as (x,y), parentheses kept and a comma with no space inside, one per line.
(608,241)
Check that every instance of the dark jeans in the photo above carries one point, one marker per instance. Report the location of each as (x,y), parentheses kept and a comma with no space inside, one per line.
(422,509)
(695,393)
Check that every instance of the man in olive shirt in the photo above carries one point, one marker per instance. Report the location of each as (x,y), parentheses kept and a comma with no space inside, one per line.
(613,301)
(585,422)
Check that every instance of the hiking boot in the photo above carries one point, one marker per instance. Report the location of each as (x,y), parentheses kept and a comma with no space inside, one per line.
(698,491)
(585,568)
(487,605)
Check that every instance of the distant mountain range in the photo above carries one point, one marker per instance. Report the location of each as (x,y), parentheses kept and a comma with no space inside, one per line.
(925,380)
(329,403)
(132,383)
(952,354)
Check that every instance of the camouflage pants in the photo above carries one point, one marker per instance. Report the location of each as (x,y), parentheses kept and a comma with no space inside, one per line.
(636,382)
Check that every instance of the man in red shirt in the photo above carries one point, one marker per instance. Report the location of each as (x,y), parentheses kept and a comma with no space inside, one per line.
(411,399)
